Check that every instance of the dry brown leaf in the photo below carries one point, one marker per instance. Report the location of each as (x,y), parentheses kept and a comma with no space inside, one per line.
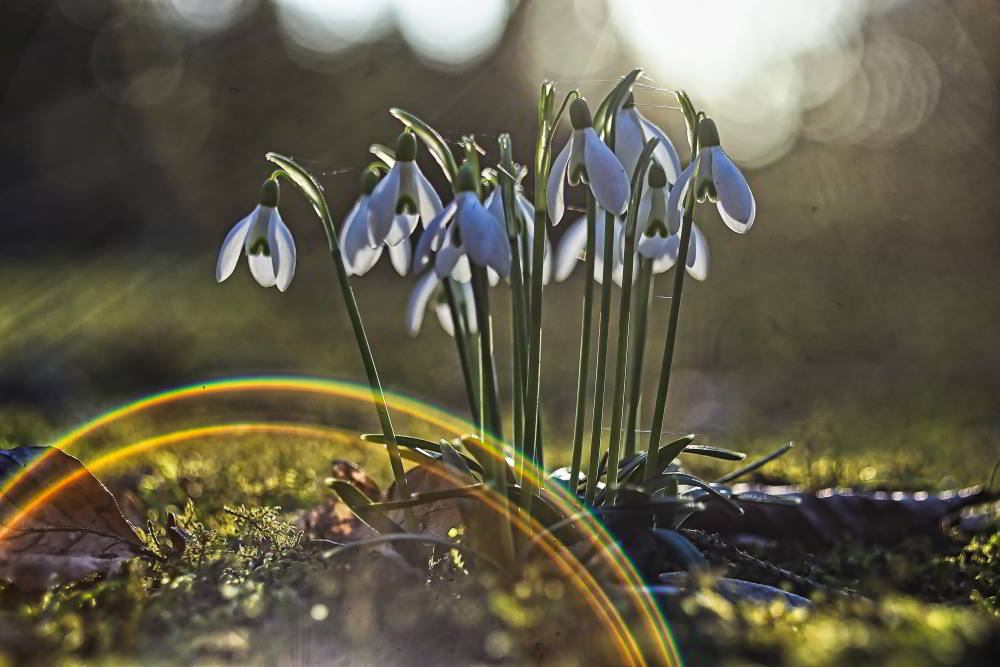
(334,520)
(439,517)
(57,521)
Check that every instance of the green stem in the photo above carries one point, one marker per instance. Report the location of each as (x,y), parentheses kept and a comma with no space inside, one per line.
(367,358)
(601,372)
(641,306)
(586,327)
(666,363)
(460,326)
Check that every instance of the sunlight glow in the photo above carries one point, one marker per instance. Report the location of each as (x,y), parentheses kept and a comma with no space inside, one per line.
(451,32)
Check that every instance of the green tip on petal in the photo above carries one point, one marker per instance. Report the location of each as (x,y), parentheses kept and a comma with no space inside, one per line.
(579,114)
(629,102)
(269,193)
(406,147)
(466,179)
(657,177)
(708,134)
(369,179)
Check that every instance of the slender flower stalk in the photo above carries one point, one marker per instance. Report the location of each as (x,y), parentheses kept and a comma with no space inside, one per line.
(586,326)
(640,304)
(311,189)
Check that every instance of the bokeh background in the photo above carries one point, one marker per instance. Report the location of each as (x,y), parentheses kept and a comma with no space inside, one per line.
(859,315)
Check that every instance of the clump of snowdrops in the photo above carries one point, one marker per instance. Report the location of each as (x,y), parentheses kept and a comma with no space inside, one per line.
(639,222)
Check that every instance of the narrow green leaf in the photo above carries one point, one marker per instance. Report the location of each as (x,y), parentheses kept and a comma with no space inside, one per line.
(691,480)
(426,498)
(384,153)
(432,139)
(362,507)
(759,463)
(403,441)
(453,458)
(487,458)
(762,498)
(714,452)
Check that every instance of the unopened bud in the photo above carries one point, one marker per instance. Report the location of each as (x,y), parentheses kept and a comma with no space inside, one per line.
(657,177)
(708,134)
(579,114)
(465,181)
(269,193)
(406,147)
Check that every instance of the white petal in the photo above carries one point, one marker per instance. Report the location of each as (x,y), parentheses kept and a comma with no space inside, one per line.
(698,257)
(492,277)
(462,272)
(446,259)
(354,236)
(416,305)
(382,207)
(262,269)
(557,184)
(429,203)
(675,201)
(527,211)
(494,205)
(259,227)
(605,174)
(629,139)
(402,227)
(282,247)
(232,248)
(484,239)
(399,256)
(736,204)
(443,312)
(366,260)
(664,153)
(433,236)
(573,242)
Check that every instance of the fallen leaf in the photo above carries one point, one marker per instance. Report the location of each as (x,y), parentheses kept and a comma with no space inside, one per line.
(57,521)
(439,517)
(334,520)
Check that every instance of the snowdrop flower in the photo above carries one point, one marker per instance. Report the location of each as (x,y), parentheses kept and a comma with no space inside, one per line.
(586,159)
(429,287)
(359,255)
(470,233)
(266,240)
(662,248)
(574,244)
(652,208)
(719,181)
(632,131)
(522,207)
(402,198)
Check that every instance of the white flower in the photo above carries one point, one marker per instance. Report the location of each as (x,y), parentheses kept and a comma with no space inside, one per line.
(495,205)
(429,286)
(719,181)
(266,240)
(574,244)
(632,131)
(466,230)
(663,249)
(359,255)
(586,159)
(402,198)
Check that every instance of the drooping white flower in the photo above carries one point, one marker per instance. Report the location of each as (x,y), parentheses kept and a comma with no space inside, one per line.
(359,255)
(652,208)
(719,181)
(266,241)
(429,287)
(472,232)
(632,131)
(401,199)
(574,243)
(586,159)
(526,212)
(663,248)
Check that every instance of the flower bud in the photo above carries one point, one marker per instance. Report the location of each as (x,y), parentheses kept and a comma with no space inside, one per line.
(269,193)
(369,179)
(406,147)
(708,134)
(579,114)
(657,177)
(465,181)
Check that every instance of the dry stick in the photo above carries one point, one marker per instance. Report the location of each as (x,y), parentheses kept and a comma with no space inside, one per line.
(641,304)
(586,326)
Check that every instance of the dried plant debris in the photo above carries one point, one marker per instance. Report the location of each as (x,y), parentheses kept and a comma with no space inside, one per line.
(57,521)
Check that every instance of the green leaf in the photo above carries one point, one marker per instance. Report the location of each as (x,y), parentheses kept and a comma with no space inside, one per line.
(762,498)
(487,458)
(714,452)
(384,153)
(691,480)
(305,181)
(425,449)
(432,139)
(759,463)
(429,497)
(362,507)
(681,549)
(613,101)
(453,458)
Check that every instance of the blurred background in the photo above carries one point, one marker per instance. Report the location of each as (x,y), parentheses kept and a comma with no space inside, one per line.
(860,313)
